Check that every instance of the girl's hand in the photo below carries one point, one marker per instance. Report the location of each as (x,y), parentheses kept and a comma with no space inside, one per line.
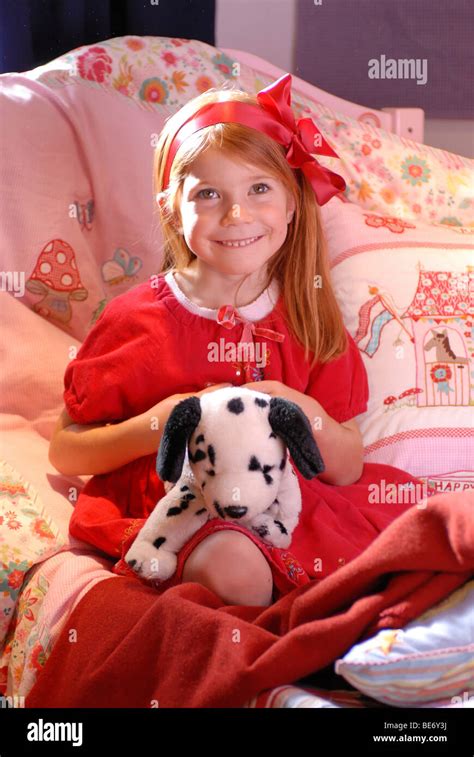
(178,397)
(274,388)
(163,409)
(309,405)
(166,406)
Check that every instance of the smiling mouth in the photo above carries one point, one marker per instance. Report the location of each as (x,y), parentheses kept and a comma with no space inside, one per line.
(234,243)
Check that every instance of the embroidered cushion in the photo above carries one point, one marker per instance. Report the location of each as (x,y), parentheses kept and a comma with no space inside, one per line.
(406,290)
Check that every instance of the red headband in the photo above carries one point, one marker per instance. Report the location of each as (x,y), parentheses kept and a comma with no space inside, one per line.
(274,117)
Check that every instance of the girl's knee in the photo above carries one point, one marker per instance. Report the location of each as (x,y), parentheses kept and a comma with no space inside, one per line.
(233,567)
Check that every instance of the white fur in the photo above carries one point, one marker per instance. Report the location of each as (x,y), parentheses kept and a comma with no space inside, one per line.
(235,439)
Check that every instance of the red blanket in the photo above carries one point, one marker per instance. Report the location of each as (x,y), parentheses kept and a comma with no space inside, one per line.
(183,648)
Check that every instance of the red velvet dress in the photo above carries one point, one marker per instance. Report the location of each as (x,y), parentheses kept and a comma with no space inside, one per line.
(150,343)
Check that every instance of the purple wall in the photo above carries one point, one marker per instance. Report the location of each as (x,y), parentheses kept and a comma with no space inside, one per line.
(336,40)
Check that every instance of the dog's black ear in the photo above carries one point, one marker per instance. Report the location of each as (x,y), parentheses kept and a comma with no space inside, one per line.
(290,423)
(181,423)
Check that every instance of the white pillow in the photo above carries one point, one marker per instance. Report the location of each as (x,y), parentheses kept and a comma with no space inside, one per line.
(399,284)
(432,658)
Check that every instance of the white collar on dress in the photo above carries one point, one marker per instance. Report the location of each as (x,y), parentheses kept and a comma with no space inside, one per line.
(254,311)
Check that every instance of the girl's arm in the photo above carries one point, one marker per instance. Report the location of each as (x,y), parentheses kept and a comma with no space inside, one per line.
(83,450)
(341,447)
(340,444)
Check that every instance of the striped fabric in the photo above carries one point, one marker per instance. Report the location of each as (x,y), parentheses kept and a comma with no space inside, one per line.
(432,658)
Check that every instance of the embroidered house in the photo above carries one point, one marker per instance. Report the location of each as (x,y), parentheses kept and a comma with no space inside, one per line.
(442,316)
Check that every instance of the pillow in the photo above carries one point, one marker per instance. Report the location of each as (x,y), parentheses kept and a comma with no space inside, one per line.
(398,177)
(406,294)
(432,658)
(27,536)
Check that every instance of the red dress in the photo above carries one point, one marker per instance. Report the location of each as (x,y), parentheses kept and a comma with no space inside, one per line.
(148,345)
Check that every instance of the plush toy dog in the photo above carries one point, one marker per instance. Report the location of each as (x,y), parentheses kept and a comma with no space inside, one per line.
(227,454)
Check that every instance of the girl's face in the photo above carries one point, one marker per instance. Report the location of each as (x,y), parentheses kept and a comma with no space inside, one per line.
(228,201)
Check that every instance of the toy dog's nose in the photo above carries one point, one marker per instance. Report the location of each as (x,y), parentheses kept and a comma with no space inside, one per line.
(233,511)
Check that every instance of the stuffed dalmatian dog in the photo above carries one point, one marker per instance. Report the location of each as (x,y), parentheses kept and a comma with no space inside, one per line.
(227,454)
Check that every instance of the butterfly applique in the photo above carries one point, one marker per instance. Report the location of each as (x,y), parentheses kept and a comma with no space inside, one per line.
(85,214)
(121,268)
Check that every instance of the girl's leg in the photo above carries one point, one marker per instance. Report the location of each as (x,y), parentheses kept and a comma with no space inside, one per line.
(233,567)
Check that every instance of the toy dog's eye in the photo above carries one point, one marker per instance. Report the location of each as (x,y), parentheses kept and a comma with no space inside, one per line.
(198,455)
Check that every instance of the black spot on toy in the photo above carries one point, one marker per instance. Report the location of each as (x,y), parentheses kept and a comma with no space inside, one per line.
(235,406)
(212,454)
(198,456)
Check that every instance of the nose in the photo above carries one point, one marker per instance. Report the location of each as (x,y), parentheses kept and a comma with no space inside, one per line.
(236,213)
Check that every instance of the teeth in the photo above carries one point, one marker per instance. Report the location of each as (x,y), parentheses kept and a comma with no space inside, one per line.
(241,243)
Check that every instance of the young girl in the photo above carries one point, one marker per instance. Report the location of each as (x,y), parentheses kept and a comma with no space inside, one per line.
(238,190)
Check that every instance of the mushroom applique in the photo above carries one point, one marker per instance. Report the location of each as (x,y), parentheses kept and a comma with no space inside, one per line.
(56,278)
(411,393)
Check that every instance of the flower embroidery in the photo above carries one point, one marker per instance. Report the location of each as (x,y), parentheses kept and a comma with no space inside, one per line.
(293,567)
(122,82)
(38,658)
(13,524)
(395,225)
(95,65)
(134,43)
(169,58)
(41,529)
(415,170)
(203,83)
(223,63)
(388,195)
(154,90)
(11,577)
(25,604)
(179,81)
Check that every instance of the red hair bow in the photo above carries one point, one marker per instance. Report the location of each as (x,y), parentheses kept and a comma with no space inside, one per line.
(272,116)
(303,139)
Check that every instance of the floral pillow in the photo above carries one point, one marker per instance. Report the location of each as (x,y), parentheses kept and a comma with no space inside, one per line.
(406,291)
(397,177)
(27,536)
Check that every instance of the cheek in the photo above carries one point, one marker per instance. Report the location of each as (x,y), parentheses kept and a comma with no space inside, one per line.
(276,217)
(196,227)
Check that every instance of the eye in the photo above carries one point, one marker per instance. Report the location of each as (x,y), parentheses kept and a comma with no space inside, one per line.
(265,186)
(203,197)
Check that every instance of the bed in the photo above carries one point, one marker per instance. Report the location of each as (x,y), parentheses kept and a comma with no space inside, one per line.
(400,245)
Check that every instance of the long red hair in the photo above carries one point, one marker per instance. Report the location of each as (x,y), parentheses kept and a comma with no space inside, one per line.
(301,265)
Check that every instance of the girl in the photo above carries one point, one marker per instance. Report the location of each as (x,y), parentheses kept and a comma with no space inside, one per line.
(238,191)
